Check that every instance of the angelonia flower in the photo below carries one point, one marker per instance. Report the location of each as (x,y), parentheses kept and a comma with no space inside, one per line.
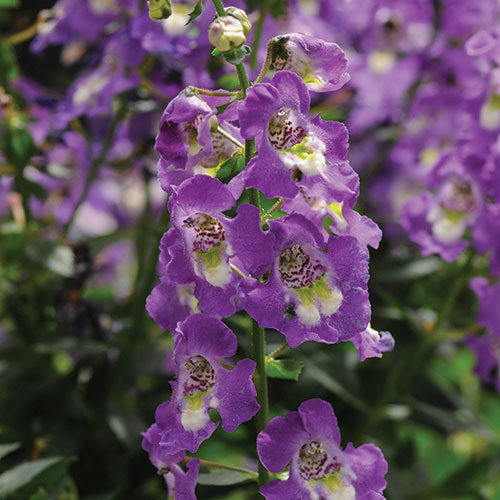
(304,273)
(180,484)
(371,344)
(203,383)
(308,441)
(315,290)
(321,65)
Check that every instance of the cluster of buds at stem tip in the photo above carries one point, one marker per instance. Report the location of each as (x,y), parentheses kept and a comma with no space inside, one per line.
(159,9)
(229,32)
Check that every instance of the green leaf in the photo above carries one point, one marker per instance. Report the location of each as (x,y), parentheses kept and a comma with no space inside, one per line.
(8,63)
(9,4)
(223,478)
(195,12)
(17,145)
(41,494)
(230,168)
(23,474)
(5,449)
(288,369)
(58,258)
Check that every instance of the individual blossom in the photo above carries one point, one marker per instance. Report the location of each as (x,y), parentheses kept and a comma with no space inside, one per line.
(321,65)
(70,20)
(371,344)
(192,139)
(205,381)
(308,440)
(310,292)
(338,216)
(180,484)
(438,220)
(204,245)
(92,93)
(294,150)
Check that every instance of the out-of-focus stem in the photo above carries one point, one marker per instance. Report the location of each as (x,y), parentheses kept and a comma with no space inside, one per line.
(259,28)
(96,163)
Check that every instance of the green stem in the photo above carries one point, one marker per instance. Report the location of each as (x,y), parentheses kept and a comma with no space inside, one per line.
(96,162)
(242,77)
(219,8)
(258,340)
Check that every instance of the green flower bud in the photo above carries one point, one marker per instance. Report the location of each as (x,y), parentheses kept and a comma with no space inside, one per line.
(241,15)
(159,9)
(226,33)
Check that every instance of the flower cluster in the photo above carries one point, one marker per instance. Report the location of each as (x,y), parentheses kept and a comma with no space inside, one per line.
(300,269)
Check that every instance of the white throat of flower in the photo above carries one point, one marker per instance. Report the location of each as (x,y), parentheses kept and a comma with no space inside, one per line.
(209,248)
(325,472)
(454,212)
(198,380)
(306,280)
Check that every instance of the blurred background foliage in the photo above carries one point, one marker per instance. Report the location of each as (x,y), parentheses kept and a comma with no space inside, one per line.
(82,369)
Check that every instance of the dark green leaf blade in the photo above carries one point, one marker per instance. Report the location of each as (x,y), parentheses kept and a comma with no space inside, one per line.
(195,12)
(288,369)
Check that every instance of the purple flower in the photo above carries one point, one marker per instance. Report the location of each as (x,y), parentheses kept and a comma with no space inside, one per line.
(489,299)
(487,351)
(293,148)
(92,93)
(437,221)
(310,294)
(180,484)
(321,65)
(168,303)
(309,440)
(203,243)
(205,382)
(345,221)
(371,344)
(189,140)
(487,348)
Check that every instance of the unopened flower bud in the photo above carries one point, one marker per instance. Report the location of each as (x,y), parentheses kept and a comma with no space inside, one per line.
(226,33)
(159,9)
(242,17)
